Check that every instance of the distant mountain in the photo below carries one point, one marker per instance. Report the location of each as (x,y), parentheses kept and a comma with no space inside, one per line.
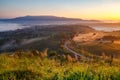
(41,18)
(45,18)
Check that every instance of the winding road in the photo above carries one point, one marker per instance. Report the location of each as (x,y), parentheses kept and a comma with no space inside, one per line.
(73,52)
(84,38)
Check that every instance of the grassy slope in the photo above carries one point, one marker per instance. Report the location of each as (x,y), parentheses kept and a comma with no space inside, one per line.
(31,67)
(97,48)
(108,49)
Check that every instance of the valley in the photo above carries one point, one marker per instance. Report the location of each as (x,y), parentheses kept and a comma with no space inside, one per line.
(68,49)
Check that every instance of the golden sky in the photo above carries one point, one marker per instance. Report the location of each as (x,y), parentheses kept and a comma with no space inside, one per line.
(85,9)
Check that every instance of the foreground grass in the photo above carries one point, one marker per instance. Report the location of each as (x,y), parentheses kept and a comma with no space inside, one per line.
(37,67)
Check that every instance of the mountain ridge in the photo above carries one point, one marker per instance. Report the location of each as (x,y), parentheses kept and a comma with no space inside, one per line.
(45,18)
(40,18)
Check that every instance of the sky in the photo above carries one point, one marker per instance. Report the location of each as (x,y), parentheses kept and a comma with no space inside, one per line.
(85,9)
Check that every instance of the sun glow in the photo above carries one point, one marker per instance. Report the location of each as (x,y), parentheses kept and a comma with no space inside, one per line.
(84,9)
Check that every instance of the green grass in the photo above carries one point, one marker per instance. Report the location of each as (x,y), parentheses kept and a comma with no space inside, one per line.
(38,66)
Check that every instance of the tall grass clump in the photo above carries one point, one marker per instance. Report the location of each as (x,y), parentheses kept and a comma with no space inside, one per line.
(35,65)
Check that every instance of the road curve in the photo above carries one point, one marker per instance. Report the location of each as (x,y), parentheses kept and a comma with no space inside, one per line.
(73,52)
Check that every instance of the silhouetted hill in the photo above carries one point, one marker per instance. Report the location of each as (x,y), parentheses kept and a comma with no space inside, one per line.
(46,18)
(41,18)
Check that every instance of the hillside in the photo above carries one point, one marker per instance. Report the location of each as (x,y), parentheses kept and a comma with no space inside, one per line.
(39,37)
(38,53)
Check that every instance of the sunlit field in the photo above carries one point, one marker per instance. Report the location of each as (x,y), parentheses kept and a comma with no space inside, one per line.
(40,66)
